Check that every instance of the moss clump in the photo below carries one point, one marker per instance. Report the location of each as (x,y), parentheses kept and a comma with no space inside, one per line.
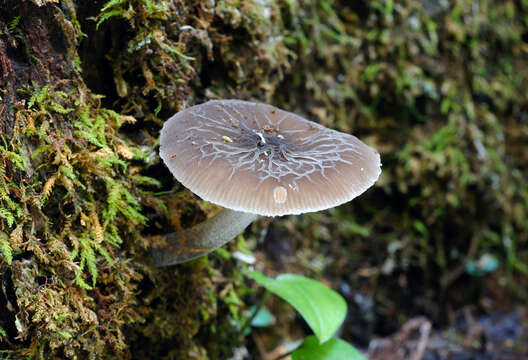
(439,90)
(67,203)
(175,51)
(156,63)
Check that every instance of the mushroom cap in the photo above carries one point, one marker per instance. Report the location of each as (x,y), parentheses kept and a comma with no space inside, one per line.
(256,158)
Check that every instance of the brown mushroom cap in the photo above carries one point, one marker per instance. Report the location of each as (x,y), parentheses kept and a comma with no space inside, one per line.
(259,159)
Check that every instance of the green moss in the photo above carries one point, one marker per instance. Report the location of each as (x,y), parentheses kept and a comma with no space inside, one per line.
(238,50)
(159,55)
(428,87)
(62,206)
(71,218)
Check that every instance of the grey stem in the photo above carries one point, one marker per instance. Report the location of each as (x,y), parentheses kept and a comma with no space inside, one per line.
(203,238)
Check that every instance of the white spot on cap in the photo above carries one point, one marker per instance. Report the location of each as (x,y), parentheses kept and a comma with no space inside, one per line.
(262,140)
(280,194)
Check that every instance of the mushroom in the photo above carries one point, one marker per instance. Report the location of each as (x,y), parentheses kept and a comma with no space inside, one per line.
(255,159)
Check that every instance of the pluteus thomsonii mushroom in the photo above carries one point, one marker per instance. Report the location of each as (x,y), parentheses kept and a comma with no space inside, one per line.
(255,159)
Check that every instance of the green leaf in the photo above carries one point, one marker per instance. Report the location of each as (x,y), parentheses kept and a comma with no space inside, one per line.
(333,349)
(322,308)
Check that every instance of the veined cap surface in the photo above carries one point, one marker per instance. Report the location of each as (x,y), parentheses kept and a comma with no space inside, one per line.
(259,159)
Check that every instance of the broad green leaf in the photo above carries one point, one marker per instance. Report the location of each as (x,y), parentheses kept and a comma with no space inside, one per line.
(333,349)
(322,308)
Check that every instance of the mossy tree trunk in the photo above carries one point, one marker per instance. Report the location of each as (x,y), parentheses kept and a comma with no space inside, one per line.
(67,195)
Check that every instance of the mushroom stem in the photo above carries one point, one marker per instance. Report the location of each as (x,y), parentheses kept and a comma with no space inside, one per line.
(203,238)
